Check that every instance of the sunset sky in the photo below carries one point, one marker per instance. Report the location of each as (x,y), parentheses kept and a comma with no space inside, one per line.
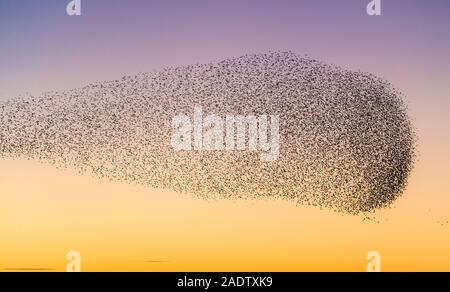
(46,212)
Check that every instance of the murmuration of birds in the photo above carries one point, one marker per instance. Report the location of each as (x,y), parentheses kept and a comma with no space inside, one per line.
(346,142)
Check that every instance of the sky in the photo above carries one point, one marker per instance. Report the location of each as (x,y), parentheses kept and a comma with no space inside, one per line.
(45,212)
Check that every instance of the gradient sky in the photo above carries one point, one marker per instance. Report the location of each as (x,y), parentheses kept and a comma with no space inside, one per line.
(42,49)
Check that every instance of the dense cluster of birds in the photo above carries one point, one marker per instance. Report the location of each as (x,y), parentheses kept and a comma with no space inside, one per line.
(346,141)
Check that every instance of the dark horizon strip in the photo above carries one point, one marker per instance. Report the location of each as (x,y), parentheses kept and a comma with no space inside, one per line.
(28,269)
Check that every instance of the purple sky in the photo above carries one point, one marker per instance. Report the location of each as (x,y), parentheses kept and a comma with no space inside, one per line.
(43,49)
